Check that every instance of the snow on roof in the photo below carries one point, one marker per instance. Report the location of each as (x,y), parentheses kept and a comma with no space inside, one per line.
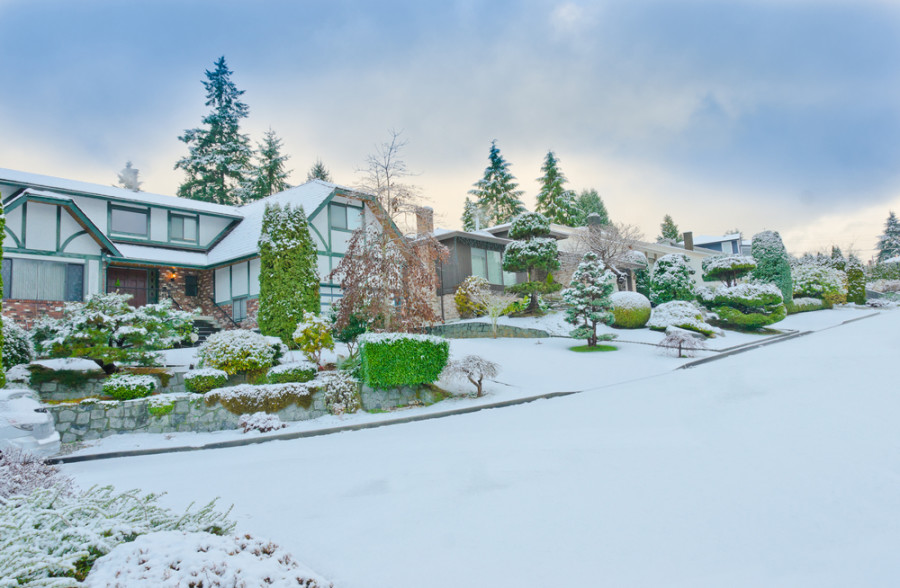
(706,239)
(441,234)
(9,176)
(175,257)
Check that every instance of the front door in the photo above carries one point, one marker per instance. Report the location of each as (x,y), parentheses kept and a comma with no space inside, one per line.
(129,281)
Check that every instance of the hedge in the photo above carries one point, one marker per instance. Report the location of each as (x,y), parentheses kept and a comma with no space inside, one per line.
(392,360)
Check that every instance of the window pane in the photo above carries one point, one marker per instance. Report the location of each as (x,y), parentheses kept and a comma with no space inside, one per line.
(354,218)
(74,282)
(509,278)
(493,267)
(7,277)
(129,221)
(190,229)
(338,217)
(38,280)
(479,262)
(239,309)
(178,227)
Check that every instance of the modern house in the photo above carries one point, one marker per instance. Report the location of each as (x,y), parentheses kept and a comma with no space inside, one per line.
(66,240)
(730,244)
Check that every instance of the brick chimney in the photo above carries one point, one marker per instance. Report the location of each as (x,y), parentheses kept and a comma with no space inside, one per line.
(424,220)
(689,241)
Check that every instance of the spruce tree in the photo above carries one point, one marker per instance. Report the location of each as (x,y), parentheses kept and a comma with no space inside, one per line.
(269,176)
(470,216)
(669,230)
(288,279)
(496,192)
(218,165)
(318,172)
(889,243)
(587,203)
(554,201)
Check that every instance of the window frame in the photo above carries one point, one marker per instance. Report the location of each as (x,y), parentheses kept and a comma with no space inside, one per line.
(184,217)
(145,210)
(242,300)
(345,211)
(8,273)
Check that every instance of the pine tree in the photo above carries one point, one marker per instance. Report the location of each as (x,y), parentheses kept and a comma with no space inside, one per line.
(288,279)
(587,203)
(588,299)
(318,172)
(554,201)
(218,165)
(269,176)
(889,243)
(128,178)
(496,192)
(669,230)
(534,253)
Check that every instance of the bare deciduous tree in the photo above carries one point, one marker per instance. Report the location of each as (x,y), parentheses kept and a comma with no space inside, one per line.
(383,176)
(614,244)
(473,368)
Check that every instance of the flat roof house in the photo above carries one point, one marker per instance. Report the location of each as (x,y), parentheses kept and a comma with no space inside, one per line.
(66,240)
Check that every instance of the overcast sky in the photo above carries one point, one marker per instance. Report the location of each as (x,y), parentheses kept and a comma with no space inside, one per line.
(765,114)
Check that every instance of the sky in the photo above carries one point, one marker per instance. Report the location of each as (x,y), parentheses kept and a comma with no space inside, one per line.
(738,114)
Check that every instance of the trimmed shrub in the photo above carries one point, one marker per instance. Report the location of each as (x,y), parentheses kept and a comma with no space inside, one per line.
(201,381)
(128,386)
(772,265)
(260,421)
(391,360)
(748,306)
(469,297)
(681,314)
(820,281)
(17,345)
(237,351)
(341,392)
(856,282)
(804,305)
(671,279)
(314,335)
(246,398)
(161,405)
(726,268)
(298,371)
(630,310)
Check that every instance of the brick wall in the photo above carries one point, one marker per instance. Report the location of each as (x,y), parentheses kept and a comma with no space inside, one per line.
(26,312)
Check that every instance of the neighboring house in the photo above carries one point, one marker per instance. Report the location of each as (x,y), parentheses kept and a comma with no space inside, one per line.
(66,240)
(732,244)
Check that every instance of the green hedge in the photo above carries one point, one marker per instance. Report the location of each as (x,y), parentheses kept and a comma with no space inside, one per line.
(392,360)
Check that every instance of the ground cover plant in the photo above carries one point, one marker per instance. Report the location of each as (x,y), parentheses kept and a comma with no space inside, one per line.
(270,398)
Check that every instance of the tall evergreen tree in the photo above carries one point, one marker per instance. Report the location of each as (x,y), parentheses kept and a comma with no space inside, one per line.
(288,279)
(470,216)
(554,201)
(496,192)
(669,230)
(587,203)
(269,176)
(772,265)
(318,172)
(889,243)
(218,165)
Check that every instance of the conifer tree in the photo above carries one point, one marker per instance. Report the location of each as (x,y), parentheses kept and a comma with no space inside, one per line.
(534,253)
(856,281)
(470,216)
(288,278)
(772,265)
(588,299)
(587,203)
(554,201)
(269,176)
(318,172)
(669,230)
(218,165)
(496,192)
(889,243)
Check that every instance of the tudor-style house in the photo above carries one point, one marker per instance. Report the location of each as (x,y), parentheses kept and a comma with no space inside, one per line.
(66,240)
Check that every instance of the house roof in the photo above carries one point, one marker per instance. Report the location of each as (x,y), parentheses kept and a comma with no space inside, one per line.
(163,256)
(556,231)
(707,239)
(444,234)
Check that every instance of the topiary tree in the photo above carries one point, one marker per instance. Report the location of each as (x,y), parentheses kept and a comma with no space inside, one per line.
(288,278)
(588,299)
(532,252)
(772,265)
(727,268)
(631,310)
(856,281)
(746,306)
(672,279)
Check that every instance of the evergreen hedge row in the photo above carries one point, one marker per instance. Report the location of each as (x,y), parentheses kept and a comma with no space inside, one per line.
(393,360)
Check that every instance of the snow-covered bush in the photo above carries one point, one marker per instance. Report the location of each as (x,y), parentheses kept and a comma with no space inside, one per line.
(22,473)
(727,268)
(856,281)
(681,314)
(178,558)
(237,351)
(128,386)
(588,299)
(270,398)
(469,297)
(18,374)
(57,536)
(672,279)
(820,281)
(630,310)
(260,421)
(772,264)
(748,306)
(106,328)
(681,343)
(474,369)
(17,345)
(391,360)
(202,380)
(279,349)
(313,335)
(805,305)
(341,392)
(298,371)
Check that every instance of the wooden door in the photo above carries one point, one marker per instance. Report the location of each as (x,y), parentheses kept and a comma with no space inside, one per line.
(128,281)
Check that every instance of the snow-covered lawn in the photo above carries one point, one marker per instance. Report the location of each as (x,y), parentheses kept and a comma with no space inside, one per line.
(777,467)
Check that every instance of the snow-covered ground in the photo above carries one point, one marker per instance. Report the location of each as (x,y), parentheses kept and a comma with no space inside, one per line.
(777,467)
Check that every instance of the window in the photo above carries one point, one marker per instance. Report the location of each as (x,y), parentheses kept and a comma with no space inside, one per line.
(239,309)
(190,285)
(129,221)
(488,264)
(346,218)
(35,279)
(182,227)
(479,262)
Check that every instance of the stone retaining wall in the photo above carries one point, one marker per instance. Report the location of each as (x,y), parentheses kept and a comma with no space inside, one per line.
(477,330)
(59,391)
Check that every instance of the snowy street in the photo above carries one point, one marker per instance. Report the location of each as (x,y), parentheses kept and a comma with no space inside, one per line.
(776,467)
